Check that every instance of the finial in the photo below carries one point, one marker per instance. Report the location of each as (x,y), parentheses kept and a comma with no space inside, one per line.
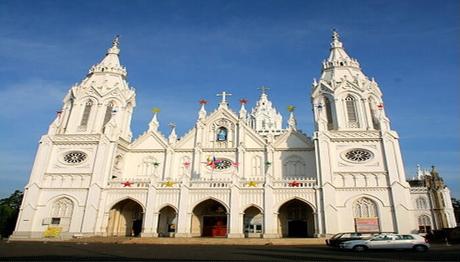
(264,89)
(116,41)
(243,101)
(172,125)
(335,35)
(224,97)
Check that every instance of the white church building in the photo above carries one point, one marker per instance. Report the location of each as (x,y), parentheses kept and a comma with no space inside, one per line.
(235,174)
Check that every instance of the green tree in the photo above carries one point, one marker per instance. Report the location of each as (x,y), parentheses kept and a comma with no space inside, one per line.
(9,210)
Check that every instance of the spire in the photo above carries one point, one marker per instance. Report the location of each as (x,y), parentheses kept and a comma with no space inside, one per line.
(202,113)
(292,122)
(172,136)
(338,56)
(243,111)
(111,62)
(154,124)
(264,118)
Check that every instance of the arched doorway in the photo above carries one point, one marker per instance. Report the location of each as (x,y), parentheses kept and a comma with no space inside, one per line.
(252,222)
(167,222)
(125,219)
(296,219)
(209,219)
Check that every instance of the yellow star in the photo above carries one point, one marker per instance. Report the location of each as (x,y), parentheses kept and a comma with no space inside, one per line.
(169,184)
(252,184)
(156,110)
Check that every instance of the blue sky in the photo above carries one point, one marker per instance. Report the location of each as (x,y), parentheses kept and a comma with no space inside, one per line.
(177,52)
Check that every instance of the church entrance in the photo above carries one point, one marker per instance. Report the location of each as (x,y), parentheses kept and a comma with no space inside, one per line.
(125,219)
(209,219)
(296,219)
(252,222)
(167,222)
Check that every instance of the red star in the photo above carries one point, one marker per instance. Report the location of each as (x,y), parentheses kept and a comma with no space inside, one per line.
(186,164)
(380,106)
(127,184)
(243,101)
(203,102)
(294,184)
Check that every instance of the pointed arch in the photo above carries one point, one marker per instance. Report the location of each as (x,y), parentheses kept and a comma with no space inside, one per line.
(253,220)
(421,203)
(328,108)
(115,202)
(351,111)
(167,221)
(108,112)
(61,213)
(86,113)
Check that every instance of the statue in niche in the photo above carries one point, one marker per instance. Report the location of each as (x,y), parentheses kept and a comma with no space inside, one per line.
(222,134)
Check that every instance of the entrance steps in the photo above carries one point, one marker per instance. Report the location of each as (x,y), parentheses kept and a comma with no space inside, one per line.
(203,241)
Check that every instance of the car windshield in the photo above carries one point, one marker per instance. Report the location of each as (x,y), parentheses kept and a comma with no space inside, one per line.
(336,235)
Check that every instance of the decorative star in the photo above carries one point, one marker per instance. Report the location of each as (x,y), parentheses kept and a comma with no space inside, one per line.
(235,164)
(243,101)
(291,108)
(294,184)
(268,163)
(380,106)
(203,101)
(169,184)
(252,184)
(156,110)
(156,164)
(186,164)
(127,184)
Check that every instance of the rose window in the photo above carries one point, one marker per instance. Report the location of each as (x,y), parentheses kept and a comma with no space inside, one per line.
(358,155)
(75,157)
(221,164)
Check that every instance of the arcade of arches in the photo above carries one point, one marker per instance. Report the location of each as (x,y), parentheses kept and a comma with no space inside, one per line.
(210,219)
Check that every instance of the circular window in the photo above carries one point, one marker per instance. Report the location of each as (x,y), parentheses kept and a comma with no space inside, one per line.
(220,164)
(358,155)
(75,157)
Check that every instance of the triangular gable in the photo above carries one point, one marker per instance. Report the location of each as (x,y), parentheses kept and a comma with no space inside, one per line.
(292,139)
(150,140)
(187,141)
(252,139)
(221,112)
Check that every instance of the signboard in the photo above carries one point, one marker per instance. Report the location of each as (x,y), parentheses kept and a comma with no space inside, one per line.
(367,224)
(52,232)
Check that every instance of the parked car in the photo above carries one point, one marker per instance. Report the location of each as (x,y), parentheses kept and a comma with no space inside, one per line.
(388,241)
(338,238)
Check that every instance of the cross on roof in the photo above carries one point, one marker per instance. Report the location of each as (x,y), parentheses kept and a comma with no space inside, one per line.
(264,89)
(224,96)
(172,125)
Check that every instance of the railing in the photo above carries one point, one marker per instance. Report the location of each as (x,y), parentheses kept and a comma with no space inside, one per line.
(129,183)
(295,182)
(210,183)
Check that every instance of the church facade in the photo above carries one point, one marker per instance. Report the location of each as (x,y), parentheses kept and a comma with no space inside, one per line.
(234,174)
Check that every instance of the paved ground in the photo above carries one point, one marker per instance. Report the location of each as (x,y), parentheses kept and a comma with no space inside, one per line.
(92,251)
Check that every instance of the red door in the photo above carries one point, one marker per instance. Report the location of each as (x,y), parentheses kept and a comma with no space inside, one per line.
(214,226)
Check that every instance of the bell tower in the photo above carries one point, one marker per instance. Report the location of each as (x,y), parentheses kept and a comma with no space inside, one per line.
(102,102)
(358,154)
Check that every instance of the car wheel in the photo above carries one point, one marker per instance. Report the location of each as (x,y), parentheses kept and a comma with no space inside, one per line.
(359,248)
(420,248)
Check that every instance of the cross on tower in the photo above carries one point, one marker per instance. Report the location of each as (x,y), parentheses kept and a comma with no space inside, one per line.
(172,125)
(264,89)
(224,97)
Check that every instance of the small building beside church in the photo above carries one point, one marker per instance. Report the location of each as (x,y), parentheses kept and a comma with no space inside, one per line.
(236,173)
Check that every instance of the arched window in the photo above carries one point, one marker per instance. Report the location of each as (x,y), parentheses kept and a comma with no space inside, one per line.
(421,203)
(222,134)
(328,108)
(108,113)
(86,113)
(293,167)
(352,115)
(424,224)
(61,213)
(366,215)
(364,208)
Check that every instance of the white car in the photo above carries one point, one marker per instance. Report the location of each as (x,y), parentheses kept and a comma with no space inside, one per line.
(388,241)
